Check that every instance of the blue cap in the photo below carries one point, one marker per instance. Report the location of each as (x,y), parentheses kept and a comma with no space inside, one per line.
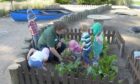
(30,14)
(35,64)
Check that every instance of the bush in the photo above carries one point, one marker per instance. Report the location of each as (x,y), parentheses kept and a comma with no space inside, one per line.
(120,2)
(3,12)
(3,0)
(82,2)
(10,0)
(98,2)
(63,1)
(92,2)
(124,2)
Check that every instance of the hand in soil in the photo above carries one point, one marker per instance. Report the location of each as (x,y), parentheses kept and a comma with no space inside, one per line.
(59,45)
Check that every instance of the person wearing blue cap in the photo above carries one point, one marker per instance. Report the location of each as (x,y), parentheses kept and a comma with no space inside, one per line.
(97,29)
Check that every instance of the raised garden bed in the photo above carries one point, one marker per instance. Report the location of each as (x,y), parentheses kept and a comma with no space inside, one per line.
(134,67)
(21,74)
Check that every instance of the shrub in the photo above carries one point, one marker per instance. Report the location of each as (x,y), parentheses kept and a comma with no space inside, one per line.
(63,1)
(83,2)
(98,2)
(3,12)
(3,0)
(124,2)
(91,2)
(107,67)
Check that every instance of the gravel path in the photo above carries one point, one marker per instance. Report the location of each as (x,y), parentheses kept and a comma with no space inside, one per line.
(12,36)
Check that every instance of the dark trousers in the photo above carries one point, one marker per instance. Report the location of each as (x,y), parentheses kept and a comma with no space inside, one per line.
(52,57)
(86,56)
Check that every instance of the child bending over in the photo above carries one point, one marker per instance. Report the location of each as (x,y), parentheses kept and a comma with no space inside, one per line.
(36,59)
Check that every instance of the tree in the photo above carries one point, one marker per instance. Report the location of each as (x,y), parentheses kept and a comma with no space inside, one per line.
(12,6)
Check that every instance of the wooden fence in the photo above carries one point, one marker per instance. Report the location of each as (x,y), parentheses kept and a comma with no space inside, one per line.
(134,67)
(111,36)
(21,74)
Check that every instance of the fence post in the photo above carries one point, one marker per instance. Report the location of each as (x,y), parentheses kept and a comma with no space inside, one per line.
(24,68)
(20,60)
(13,69)
(125,81)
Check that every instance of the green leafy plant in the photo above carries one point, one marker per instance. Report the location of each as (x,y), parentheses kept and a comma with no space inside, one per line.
(106,67)
(92,71)
(66,53)
(69,68)
(105,46)
(91,54)
(73,67)
(61,68)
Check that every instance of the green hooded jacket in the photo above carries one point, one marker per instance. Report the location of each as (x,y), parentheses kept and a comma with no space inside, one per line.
(97,32)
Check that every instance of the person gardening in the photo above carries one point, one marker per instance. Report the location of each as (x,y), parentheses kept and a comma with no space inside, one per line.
(75,49)
(52,39)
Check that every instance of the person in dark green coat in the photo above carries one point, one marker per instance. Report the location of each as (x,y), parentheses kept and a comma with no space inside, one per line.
(52,38)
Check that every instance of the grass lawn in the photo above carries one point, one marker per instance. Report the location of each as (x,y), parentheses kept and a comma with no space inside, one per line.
(136,2)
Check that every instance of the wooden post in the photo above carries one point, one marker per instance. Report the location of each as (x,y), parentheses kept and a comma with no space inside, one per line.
(33,76)
(48,77)
(20,60)
(125,81)
(13,69)
(56,78)
(65,79)
(40,76)
(71,80)
(24,68)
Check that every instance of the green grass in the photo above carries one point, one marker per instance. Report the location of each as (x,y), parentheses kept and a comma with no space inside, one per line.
(3,0)
(136,2)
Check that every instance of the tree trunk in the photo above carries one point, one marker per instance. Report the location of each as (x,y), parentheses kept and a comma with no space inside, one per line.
(12,7)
